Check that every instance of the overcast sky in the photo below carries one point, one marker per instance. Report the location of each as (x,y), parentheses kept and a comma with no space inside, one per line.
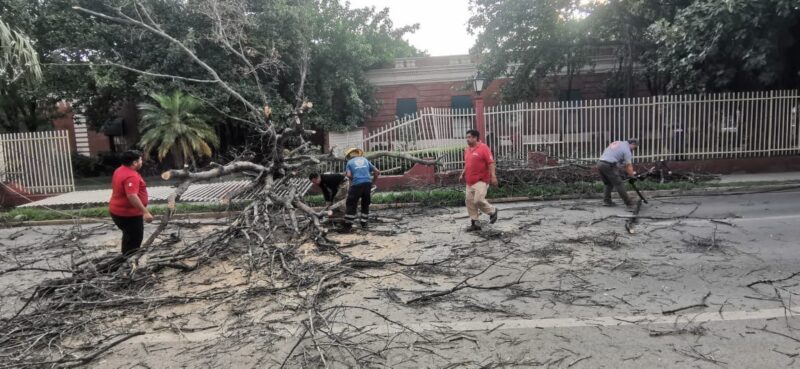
(443,23)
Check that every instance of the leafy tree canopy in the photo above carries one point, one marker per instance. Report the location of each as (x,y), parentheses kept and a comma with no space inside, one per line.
(99,63)
(671,46)
(720,45)
(529,40)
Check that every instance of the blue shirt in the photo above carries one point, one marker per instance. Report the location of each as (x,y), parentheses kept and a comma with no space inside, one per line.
(618,152)
(361,169)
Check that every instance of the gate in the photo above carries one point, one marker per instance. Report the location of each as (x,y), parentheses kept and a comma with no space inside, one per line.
(37,162)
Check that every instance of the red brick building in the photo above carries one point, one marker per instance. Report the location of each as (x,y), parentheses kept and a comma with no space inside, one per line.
(116,135)
(83,139)
(444,82)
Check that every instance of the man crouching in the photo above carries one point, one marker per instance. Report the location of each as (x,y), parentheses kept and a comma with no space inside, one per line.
(362,174)
(617,153)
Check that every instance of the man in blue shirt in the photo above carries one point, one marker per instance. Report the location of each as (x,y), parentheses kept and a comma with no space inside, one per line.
(617,153)
(362,174)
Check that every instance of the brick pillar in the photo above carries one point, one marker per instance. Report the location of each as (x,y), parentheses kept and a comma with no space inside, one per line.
(480,122)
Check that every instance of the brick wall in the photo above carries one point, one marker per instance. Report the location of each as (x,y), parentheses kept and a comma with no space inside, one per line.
(98,142)
(65,122)
(439,94)
(428,95)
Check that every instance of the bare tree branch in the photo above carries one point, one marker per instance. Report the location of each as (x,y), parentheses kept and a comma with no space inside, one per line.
(125,19)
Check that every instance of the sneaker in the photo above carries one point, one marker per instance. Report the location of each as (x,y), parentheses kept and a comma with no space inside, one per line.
(609,203)
(474,226)
(364,225)
(493,217)
(345,229)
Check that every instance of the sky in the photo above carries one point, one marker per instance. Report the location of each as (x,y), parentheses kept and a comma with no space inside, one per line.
(443,23)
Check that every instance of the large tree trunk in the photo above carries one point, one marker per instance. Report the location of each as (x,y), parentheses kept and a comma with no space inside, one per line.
(177,158)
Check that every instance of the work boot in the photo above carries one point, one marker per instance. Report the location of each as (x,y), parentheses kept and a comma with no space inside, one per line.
(493,217)
(364,225)
(347,228)
(474,226)
(609,203)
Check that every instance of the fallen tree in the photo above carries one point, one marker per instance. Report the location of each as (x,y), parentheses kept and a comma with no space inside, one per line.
(265,237)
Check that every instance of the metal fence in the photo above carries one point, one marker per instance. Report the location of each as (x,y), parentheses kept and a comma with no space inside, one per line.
(429,133)
(708,126)
(681,127)
(37,162)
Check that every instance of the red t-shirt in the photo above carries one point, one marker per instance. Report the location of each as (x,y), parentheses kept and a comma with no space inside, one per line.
(124,182)
(476,163)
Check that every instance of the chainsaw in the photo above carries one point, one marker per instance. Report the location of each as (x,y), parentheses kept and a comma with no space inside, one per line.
(632,182)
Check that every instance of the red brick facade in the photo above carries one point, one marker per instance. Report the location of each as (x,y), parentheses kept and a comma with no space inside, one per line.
(434,81)
(428,95)
(97,142)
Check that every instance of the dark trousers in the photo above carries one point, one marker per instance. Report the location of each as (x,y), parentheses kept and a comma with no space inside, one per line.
(132,232)
(358,192)
(610,176)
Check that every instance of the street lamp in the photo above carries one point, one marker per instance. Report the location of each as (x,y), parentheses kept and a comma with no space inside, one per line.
(478,82)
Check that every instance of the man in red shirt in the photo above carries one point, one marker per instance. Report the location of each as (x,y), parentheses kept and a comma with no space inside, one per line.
(479,172)
(128,205)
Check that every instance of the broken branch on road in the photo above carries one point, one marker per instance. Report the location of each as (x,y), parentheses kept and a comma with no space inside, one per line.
(676,310)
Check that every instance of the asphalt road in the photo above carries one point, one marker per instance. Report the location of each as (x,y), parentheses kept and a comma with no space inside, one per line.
(577,291)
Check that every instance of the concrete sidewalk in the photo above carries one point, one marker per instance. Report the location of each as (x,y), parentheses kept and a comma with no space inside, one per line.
(760,177)
(203,192)
(212,192)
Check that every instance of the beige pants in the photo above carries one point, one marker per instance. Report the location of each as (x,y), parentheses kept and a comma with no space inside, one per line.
(476,200)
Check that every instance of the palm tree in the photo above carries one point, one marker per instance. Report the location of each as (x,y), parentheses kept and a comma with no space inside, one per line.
(176,125)
(18,58)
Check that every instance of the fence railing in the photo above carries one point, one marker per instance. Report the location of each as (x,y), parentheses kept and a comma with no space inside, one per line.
(681,127)
(37,162)
(710,126)
(429,133)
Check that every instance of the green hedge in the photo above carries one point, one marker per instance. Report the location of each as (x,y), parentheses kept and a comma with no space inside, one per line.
(454,196)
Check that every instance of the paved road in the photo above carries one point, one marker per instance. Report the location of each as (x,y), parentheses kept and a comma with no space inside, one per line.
(590,295)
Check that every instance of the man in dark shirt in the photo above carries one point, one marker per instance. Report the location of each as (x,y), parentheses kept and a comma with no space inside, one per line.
(334,186)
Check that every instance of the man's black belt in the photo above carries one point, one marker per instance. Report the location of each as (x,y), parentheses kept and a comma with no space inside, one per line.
(608,162)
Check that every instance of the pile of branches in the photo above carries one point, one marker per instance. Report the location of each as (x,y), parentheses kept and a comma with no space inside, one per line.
(567,173)
(101,301)
(264,238)
(73,306)
(662,173)
(570,171)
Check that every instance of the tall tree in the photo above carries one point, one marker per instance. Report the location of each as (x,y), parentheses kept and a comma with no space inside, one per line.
(18,58)
(625,24)
(722,45)
(20,71)
(60,37)
(99,65)
(530,40)
(176,125)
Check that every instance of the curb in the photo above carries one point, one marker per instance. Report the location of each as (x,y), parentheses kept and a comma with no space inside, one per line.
(712,191)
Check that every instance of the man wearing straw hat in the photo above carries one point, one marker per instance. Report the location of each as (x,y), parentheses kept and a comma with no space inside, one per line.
(362,174)
(618,152)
